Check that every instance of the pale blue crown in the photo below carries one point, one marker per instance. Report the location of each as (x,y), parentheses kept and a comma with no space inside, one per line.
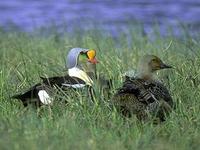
(72,57)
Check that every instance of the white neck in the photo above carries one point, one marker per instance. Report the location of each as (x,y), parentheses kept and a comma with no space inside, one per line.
(76,72)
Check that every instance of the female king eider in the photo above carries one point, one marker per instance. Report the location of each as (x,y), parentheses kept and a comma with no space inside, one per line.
(80,63)
(142,95)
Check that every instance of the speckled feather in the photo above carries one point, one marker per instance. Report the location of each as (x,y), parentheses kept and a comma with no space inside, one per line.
(143,98)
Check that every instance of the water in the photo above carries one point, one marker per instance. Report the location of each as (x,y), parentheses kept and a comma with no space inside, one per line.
(109,14)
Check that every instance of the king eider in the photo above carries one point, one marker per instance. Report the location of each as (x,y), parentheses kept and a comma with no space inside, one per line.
(80,63)
(142,95)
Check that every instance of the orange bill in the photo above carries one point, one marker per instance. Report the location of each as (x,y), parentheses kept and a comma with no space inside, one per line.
(91,56)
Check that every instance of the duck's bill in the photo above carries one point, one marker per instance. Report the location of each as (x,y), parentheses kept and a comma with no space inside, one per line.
(165,66)
(93,61)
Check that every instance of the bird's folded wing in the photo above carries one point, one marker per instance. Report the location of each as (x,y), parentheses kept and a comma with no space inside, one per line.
(66,81)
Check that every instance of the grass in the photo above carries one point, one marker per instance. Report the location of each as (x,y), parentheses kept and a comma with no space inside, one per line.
(81,125)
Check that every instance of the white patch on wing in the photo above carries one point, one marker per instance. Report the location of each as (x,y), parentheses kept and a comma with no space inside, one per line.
(74,85)
(44,97)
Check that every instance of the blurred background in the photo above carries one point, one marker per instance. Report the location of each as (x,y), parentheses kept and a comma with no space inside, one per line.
(111,15)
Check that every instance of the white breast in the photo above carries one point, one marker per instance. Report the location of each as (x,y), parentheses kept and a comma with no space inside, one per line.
(76,72)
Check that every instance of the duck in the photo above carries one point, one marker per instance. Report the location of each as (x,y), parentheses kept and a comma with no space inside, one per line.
(81,64)
(143,95)
(82,68)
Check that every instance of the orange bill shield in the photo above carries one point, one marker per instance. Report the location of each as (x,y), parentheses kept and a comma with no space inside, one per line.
(91,56)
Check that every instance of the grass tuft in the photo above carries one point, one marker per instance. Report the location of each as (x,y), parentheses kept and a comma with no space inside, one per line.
(81,124)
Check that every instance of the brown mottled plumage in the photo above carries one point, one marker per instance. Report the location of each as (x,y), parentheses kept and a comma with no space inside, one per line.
(143,95)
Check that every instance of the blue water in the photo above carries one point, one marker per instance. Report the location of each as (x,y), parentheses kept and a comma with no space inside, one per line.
(109,14)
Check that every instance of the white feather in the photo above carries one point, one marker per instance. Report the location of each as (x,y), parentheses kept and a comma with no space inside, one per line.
(74,85)
(44,97)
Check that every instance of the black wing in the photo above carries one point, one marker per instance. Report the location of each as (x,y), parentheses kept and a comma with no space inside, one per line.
(60,80)
(30,95)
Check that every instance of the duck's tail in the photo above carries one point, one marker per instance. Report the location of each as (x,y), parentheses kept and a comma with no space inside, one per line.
(17,96)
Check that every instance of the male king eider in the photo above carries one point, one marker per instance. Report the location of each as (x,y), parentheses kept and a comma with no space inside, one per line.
(143,95)
(79,62)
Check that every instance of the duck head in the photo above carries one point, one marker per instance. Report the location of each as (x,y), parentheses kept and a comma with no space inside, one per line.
(150,64)
(87,61)
(81,62)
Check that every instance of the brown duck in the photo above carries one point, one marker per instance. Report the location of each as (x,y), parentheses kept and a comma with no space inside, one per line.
(143,95)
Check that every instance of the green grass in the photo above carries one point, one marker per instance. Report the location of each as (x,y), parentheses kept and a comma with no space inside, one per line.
(80,124)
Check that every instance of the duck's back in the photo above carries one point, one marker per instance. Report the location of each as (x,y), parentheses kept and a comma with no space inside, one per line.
(142,97)
(31,95)
(41,92)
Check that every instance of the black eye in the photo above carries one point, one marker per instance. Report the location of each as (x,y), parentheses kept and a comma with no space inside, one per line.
(82,53)
(154,60)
